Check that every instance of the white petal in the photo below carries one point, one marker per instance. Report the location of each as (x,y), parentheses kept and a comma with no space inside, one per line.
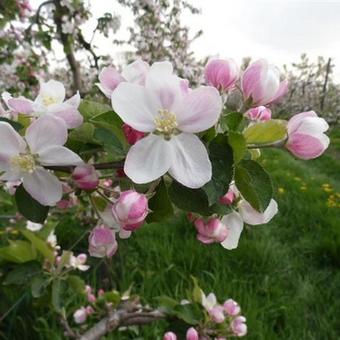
(148,159)
(199,110)
(68,112)
(58,155)
(136,72)
(52,88)
(11,143)
(165,86)
(313,126)
(46,131)
(135,106)
(43,187)
(108,218)
(234,223)
(162,67)
(190,165)
(253,217)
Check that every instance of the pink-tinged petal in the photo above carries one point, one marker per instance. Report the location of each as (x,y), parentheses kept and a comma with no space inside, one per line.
(20,105)
(43,187)
(190,161)
(58,155)
(74,101)
(234,223)
(251,76)
(313,126)
(51,89)
(296,120)
(10,174)
(148,159)
(281,92)
(164,85)
(68,113)
(253,217)
(44,132)
(136,72)
(135,106)
(307,147)
(199,110)
(109,78)
(11,144)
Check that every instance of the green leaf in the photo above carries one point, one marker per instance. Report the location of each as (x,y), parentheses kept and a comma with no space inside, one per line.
(232,121)
(194,200)
(29,207)
(109,140)
(238,144)
(84,134)
(167,303)
(15,125)
(160,204)
(59,288)
(190,313)
(39,285)
(89,108)
(197,291)
(76,284)
(254,184)
(41,245)
(18,252)
(22,274)
(221,157)
(266,132)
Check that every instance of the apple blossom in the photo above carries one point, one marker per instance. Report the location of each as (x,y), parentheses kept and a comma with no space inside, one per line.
(221,73)
(231,307)
(259,113)
(170,336)
(33,226)
(246,213)
(212,231)
(261,84)
(192,334)
(217,314)
(209,301)
(110,78)
(170,116)
(306,138)
(24,158)
(78,262)
(238,326)
(132,135)
(80,315)
(130,210)
(50,101)
(102,242)
(85,177)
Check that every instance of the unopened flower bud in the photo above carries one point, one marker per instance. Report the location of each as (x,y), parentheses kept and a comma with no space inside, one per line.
(131,209)
(80,315)
(192,334)
(260,113)
(228,198)
(231,307)
(85,177)
(239,326)
(212,231)
(170,336)
(102,242)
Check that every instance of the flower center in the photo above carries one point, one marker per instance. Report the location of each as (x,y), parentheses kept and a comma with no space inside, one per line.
(166,123)
(49,100)
(25,163)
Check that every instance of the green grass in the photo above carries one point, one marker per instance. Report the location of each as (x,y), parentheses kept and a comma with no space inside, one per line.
(285,275)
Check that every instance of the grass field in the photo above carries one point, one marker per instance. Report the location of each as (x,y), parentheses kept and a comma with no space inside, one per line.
(285,275)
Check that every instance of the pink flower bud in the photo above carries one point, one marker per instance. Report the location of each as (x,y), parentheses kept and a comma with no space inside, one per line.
(82,258)
(192,334)
(231,307)
(260,113)
(80,315)
(212,231)
(101,292)
(306,138)
(102,242)
(131,209)
(132,135)
(89,310)
(91,298)
(88,289)
(221,73)
(238,326)
(85,177)
(217,314)
(261,84)
(228,198)
(170,336)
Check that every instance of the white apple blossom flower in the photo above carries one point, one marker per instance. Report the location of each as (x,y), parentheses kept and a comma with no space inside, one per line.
(24,158)
(246,214)
(78,262)
(171,115)
(50,100)
(208,302)
(33,226)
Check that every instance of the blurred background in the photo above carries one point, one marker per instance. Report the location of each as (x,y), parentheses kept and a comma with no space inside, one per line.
(286,274)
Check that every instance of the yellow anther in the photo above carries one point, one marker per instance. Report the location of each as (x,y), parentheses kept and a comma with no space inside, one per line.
(25,163)
(166,122)
(49,100)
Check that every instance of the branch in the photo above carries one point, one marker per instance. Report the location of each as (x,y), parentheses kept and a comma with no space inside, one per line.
(88,47)
(120,318)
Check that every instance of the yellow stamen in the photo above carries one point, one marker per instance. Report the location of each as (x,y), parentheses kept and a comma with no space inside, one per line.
(25,163)
(49,100)
(166,123)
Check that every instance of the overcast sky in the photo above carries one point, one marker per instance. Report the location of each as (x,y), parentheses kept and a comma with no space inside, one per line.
(279,30)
